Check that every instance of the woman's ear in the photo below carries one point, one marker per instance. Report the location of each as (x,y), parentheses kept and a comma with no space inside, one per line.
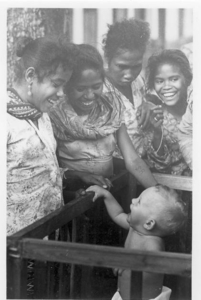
(149,225)
(30,74)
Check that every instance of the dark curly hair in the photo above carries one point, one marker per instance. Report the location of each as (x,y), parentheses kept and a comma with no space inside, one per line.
(128,34)
(171,56)
(44,55)
(87,57)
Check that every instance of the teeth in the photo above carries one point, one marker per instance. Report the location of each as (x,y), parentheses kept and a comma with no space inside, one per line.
(87,103)
(52,101)
(168,94)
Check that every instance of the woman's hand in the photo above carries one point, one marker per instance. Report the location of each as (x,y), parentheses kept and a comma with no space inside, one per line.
(99,192)
(144,114)
(148,111)
(156,118)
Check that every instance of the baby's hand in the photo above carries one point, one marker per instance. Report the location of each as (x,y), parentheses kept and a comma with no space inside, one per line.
(99,192)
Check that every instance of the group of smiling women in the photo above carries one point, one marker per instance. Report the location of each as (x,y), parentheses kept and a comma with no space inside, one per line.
(68,116)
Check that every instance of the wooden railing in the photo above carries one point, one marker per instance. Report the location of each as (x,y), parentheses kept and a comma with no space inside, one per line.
(28,244)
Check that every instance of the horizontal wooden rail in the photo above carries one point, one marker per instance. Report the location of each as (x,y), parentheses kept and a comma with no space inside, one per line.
(56,219)
(71,210)
(105,256)
(175,182)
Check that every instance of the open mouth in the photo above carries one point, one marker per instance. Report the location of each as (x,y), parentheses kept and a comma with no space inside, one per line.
(126,82)
(87,102)
(53,101)
(169,95)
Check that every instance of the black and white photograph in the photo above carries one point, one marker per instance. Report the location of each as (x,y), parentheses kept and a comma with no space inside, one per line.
(101,178)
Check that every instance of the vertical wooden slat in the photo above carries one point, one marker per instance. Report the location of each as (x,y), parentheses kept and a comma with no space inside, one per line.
(181,23)
(68,23)
(40,280)
(136,286)
(90,26)
(119,14)
(161,25)
(140,13)
(16,275)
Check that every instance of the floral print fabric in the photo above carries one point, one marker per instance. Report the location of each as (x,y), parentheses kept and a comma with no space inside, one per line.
(34,182)
(172,162)
(139,138)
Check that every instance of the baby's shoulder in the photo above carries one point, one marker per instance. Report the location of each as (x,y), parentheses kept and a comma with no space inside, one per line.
(154,244)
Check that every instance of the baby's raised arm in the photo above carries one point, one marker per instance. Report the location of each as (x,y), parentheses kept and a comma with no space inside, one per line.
(114,209)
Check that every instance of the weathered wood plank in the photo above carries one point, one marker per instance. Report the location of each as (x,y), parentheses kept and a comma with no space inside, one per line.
(104,256)
(16,275)
(183,183)
(71,210)
(56,219)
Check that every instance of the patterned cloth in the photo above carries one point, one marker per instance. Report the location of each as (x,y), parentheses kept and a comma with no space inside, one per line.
(172,162)
(139,138)
(104,119)
(34,182)
(185,134)
(17,108)
(86,143)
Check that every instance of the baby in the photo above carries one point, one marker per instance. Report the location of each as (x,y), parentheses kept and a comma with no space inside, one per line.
(156,213)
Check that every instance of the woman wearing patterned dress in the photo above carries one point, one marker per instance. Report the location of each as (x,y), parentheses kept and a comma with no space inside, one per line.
(124,46)
(88,125)
(34,179)
(169,81)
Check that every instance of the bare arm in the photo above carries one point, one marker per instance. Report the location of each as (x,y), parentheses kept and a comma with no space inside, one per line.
(114,209)
(134,164)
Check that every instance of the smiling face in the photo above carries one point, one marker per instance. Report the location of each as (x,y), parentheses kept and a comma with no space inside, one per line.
(86,91)
(145,207)
(169,83)
(125,66)
(49,90)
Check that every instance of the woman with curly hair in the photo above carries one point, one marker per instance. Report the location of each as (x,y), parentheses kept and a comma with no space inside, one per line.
(34,179)
(88,124)
(169,79)
(124,47)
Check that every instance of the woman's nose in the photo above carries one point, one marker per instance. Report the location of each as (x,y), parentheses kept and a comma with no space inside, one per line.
(60,92)
(89,94)
(166,84)
(129,75)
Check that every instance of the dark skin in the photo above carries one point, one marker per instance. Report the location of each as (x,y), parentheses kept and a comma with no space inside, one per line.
(123,68)
(148,112)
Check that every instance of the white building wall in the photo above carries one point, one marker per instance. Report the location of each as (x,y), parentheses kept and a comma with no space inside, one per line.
(105,16)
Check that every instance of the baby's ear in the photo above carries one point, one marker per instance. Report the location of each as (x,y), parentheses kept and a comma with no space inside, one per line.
(149,225)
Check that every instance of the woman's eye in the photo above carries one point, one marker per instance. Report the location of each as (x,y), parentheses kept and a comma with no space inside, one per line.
(175,78)
(56,85)
(158,81)
(97,87)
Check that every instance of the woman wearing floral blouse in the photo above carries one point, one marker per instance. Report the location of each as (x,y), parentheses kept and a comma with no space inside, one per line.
(169,82)
(34,179)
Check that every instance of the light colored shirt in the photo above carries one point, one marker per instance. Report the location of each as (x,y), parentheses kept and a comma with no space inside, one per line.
(34,182)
